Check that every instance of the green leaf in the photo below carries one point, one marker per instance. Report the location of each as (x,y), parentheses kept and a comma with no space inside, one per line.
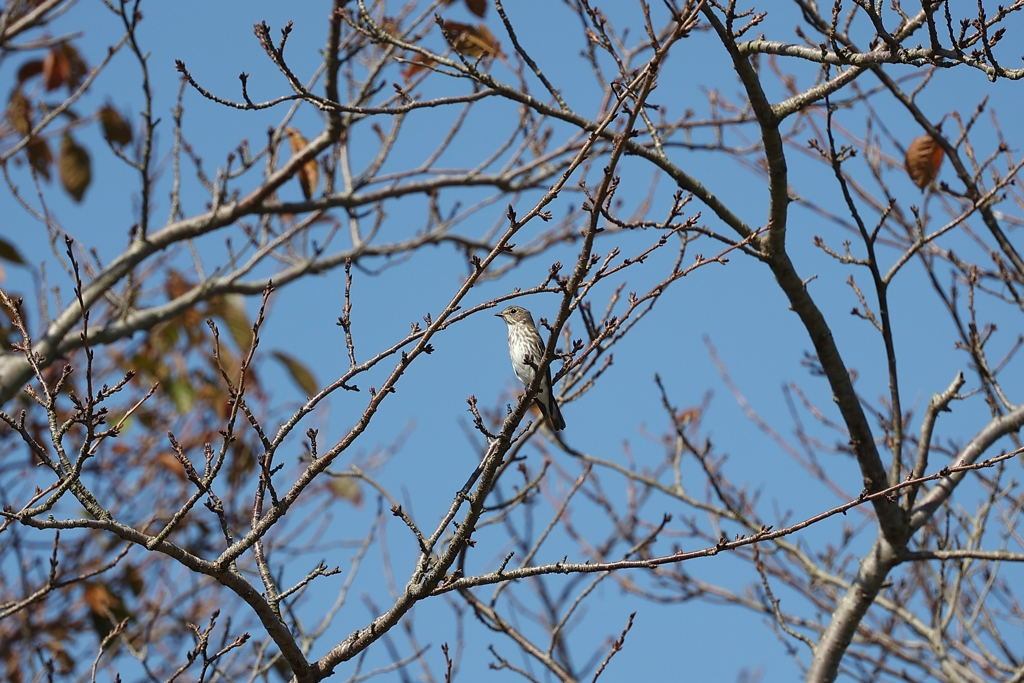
(299,372)
(181,393)
(231,309)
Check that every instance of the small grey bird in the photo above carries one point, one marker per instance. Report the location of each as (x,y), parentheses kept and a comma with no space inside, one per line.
(525,344)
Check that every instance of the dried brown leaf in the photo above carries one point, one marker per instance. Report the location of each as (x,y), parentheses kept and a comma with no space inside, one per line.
(78,67)
(309,174)
(477,7)
(176,285)
(29,69)
(924,158)
(75,168)
(10,253)
(19,112)
(115,129)
(56,68)
(39,156)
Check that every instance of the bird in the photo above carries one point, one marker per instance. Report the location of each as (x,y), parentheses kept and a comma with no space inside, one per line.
(526,348)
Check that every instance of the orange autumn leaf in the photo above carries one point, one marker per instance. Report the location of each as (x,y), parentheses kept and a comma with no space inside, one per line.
(685,417)
(99,598)
(419,63)
(471,41)
(170,463)
(309,174)
(924,157)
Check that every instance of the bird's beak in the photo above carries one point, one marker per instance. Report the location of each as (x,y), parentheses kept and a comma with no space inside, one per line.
(497,315)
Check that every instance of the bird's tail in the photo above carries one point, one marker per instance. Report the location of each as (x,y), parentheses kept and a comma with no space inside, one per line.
(553,413)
